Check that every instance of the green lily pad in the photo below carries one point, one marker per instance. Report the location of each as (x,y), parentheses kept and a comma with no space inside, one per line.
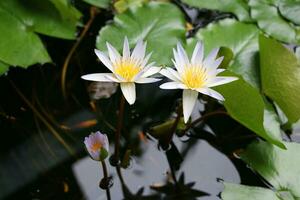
(280,76)
(18,45)
(237,7)
(242,39)
(3,68)
(245,104)
(162,25)
(290,9)
(123,5)
(242,192)
(99,3)
(44,17)
(271,22)
(278,167)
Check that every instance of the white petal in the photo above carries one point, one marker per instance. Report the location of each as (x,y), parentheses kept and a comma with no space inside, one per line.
(210,58)
(113,53)
(178,63)
(145,60)
(151,71)
(106,143)
(126,49)
(220,70)
(101,77)
(220,80)
(182,54)
(170,73)
(172,85)
(139,51)
(212,66)
(212,93)
(189,98)
(147,80)
(104,59)
(114,78)
(128,90)
(198,54)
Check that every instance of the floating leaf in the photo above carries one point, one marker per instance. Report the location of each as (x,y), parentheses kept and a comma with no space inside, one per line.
(99,3)
(270,21)
(123,5)
(242,39)
(245,104)
(44,17)
(280,75)
(290,9)
(237,7)
(3,68)
(242,192)
(18,45)
(279,167)
(162,25)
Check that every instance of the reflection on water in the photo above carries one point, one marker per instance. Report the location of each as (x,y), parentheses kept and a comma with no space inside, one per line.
(203,165)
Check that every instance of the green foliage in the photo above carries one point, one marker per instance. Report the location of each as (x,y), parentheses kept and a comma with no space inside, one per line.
(123,5)
(244,103)
(237,7)
(162,25)
(279,167)
(242,39)
(242,192)
(99,3)
(19,45)
(270,20)
(280,75)
(3,68)
(290,9)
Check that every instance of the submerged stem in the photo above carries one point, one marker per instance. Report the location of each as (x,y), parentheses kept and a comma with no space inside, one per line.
(204,117)
(119,128)
(105,174)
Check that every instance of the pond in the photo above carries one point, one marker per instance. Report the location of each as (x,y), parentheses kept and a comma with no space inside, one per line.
(220,121)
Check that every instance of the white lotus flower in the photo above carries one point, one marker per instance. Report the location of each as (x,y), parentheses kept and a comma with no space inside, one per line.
(97,146)
(194,76)
(128,69)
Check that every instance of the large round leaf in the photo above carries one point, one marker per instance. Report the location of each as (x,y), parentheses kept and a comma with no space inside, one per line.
(290,9)
(18,45)
(3,68)
(280,76)
(279,167)
(270,21)
(242,39)
(56,19)
(245,104)
(99,3)
(162,25)
(237,7)
(242,192)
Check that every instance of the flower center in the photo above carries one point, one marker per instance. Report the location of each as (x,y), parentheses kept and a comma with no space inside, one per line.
(96,146)
(194,76)
(127,69)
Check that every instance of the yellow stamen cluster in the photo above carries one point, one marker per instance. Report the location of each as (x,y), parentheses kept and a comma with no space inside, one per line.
(96,146)
(194,76)
(127,69)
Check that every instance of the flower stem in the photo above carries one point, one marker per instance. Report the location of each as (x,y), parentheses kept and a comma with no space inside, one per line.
(203,118)
(119,128)
(105,174)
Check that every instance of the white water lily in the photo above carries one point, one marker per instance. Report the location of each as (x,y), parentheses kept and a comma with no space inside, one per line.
(128,69)
(194,76)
